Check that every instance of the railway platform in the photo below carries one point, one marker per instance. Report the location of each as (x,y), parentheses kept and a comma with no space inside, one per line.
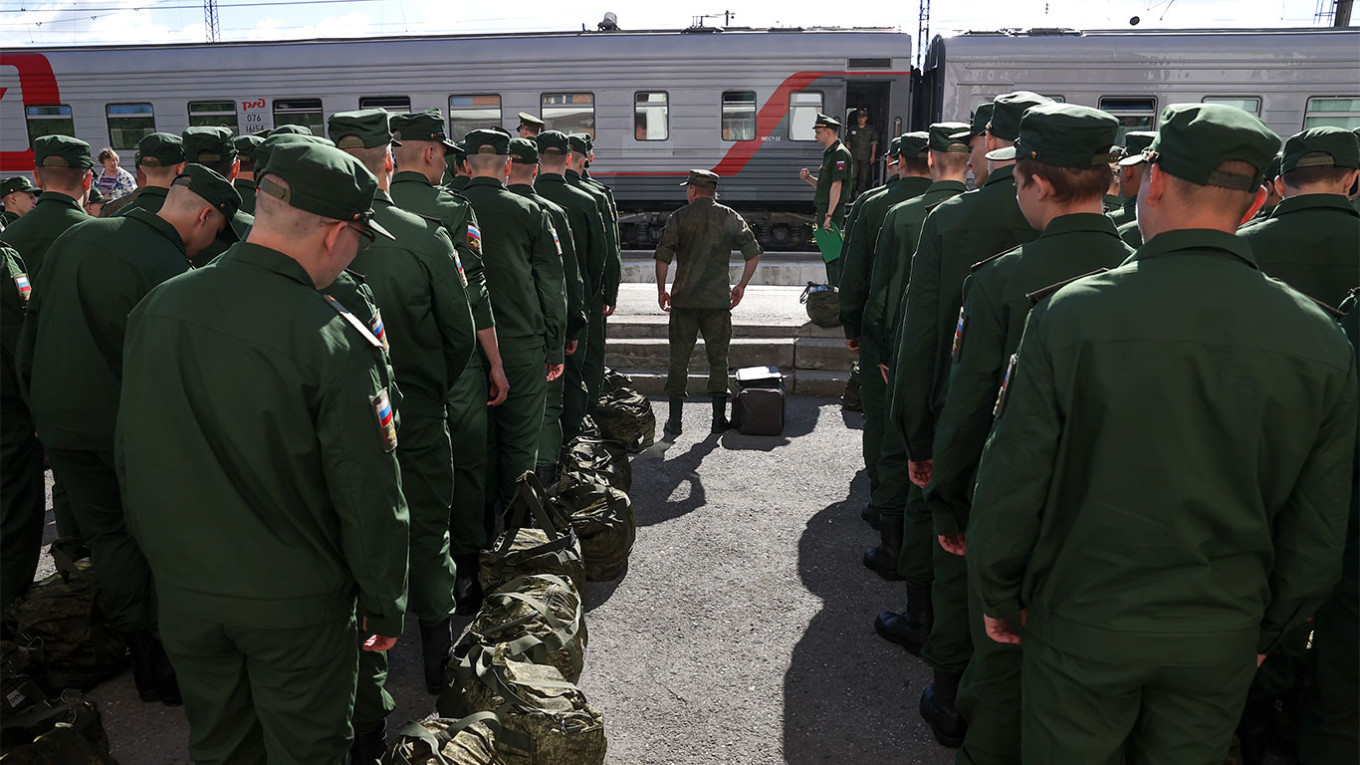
(777,269)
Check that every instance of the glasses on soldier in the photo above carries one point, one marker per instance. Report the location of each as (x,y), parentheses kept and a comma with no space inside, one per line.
(366,236)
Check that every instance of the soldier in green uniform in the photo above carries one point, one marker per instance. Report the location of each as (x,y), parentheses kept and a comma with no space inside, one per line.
(245,146)
(63,173)
(21,458)
(213,147)
(862,140)
(530,126)
(523,170)
(857,259)
(70,362)
(456,174)
(614,264)
(1273,196)
(264,574)
(957,234)
(1150,569)
(977,143)
(94,202)
(421,160)
(832,184)
(580,152)
(160,159)
(524,279)
(701,236)
(591,244)
(1062,166)
(896,494)
(19,195)
(1130,178)
(1312,238)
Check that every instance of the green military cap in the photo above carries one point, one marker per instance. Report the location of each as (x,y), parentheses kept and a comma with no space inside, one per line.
(894,148)
(160,150)
(552,141)
(914,144)
(208,143)
(530,120)
(63,151)
(590,142)
(364,129)
(1194,139)
(323,181)
(1063,135)
(16,184)
(484,141)
(523,151)
(502,130)
(1336,147)
(826,121)
(1007,111)
(579,142)
(291,130)
(421,126)
(95,196)
(459,150)
(266,148)
(950,137)
(704,179)
(981,117)
(246,145)
(1273,169)
(215,190)
(1137,140)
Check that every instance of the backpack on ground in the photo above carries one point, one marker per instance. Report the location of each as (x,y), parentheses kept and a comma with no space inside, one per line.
(615,382)
(850,399)
(597,458)
(603,519)
(758,407)
(626,416)
(68,729)
(537,618)
(551,548)
(440,741)
(823,304)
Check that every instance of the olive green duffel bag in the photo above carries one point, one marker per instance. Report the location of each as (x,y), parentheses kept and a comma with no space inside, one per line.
(551,548)
(626,416)
(545,720)
(603,519)
(538,618)
(439,741)
(823,304)
(596,457)
(850,399)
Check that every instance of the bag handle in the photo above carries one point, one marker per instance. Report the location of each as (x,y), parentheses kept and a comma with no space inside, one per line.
(435,741)
(531,490)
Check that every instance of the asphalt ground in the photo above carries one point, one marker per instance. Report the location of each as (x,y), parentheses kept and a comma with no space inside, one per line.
(741,632)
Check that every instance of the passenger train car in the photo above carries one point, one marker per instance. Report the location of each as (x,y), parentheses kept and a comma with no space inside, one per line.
(740,102)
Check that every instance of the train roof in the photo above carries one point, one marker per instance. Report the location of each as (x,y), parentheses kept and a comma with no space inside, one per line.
(1189,32)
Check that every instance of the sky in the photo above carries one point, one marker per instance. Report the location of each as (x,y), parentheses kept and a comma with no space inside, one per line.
(26,23)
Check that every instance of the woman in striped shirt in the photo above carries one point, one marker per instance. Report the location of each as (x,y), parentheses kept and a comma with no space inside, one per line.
(114,181)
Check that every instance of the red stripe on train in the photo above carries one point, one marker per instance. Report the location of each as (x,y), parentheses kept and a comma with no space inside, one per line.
(38,85)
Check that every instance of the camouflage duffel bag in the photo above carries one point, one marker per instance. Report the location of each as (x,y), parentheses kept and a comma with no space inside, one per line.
(850,399)
(823,304)
(603,519)
(551,548)
(606,460)
(615,382)
(438,741)
(538,618)
(626,417)
(66,730)
(545,720)
(20,664)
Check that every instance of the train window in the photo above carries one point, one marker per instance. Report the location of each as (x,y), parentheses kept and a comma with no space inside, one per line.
(394,104)
(1248,105)
(214,113)
(1132,113)
(651,116)
(300,111)
(49,120)
(1055,99)
(1335,111)
(739,115)
(803,109)
(569,112)
(469,113)
(129,123)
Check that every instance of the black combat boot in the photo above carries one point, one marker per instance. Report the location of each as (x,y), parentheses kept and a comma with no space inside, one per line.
(142,653)
(167,683)
(871,516)
(720,423)
(369,745)
(910,628)
(547,475)
(882,559)
(939,712)
(677,410)
(436,640)
(467,587)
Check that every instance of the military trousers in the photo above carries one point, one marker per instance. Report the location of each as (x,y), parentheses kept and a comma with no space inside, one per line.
(863,175)
(425,457)
(950,645)
(550,435)
(468,418)
(1331,722)
(896,495)
(23,499)
(372,702)
(62,515)
(1106,713)
(989,696)
(873,391)
(256,695)
(593,363)
(119,566)
(686,325)
(575,394)
(514,427)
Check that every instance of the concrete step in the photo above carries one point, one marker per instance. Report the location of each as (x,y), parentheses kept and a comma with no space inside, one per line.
(797,382)
(784,269)
(787,353)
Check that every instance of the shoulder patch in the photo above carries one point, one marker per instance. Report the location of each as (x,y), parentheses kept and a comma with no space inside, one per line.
(457,261)
(557,243)
(379,331)
(353,321)
(1001,392)
(957,350)
(474,237)
(25,289)
(387,419)
(1038,295)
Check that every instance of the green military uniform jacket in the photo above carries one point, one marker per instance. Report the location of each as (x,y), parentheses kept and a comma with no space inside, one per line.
(702,236)
(240,224)
(837,165)
(571,270)
(413,191)
(423,314)
(1169,475)
(457,183)
(14,296)
(1131,234)
(861,239)
(861,140)
(246,188)
(1312,243)
(523,272)
(613,264)
(71,352)
(1112,203)
(896,246)
(256,448)
(1125,213)
(960,232)
(995,304)
(149,198)
(32,234)
(587,230)
(7,218)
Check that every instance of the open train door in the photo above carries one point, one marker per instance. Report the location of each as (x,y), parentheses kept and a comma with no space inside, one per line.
(875,97)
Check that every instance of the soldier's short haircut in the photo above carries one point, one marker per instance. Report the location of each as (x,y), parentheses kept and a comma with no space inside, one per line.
(1216,197)
(181,200)
(375,158)
(161,176)
(61,178)
(950,162)
(1070,184)
(917,165)
(408,154)
(278,217)
(1301,177)
(553,162)
(220,166)
(487,163)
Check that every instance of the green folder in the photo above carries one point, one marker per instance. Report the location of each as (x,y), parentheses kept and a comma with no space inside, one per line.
(829,242)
